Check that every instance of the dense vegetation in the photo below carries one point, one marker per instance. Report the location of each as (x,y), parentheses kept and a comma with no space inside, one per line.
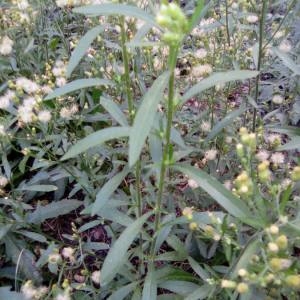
(149,150)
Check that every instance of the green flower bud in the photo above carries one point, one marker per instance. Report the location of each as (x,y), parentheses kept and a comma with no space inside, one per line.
(295,176)
(282,242)
(242,288)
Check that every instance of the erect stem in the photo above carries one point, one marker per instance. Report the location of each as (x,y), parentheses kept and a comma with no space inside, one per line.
(260,56)
(227,22)
(166,159)
(127,71)
(131,119)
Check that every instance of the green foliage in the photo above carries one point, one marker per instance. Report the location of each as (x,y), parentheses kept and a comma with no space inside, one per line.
(149,150)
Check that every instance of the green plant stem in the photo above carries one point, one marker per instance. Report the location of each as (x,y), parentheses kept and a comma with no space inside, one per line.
(127,72)
(131,119)
(166,158)
(227,22)
(260,56)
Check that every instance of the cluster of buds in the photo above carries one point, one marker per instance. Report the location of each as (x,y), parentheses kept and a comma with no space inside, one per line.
(243,185)
(241,287)
(248,140)
(264,173)
(174,21)
(188,213)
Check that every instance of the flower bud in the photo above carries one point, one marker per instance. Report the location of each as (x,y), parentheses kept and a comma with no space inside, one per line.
(274,229)
(282,242)
(295,176)
(293,281)
(193,226)
(242,288)
(228,284)
(273,247)
(278,264)
(240,150)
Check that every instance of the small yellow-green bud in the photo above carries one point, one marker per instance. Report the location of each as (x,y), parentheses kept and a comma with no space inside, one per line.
(242,288)
(293,281)
(282,242)
(188,213)
(228,284)
(243,130)
(240,150)
(274,229)
(295,176)
(242,272)
(278,264)
(273,247)
(193,226)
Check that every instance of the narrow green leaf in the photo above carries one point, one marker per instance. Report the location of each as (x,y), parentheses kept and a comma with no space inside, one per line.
(150,287)
(201,293)
(95,139)
(4,229)
(114,111)
(122,292)
(82,47)
(217,78)
(39,188)
(198,269)
(116,256)
(145,117)
(217,191)
(225,122)
(196,16)
(245,257)
(116,9)
(164,231)
(294,143)
(289,130)
(179,287)
(77,85)
(52,210)
(107,190)
(287,61)
(33,236)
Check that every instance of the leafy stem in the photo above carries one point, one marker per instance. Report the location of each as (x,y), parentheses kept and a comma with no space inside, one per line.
(166,159)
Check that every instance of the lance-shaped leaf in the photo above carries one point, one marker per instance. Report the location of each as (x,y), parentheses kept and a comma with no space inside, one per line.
(95,139)
(114,111)
(150,286)
(217,191)
(286,59)
(123,291)
(107,190)
(52,210)
(82,47)
(217,78)
(145,117)
(294,143)
(116,9)
(38,188)
(117,255)
(77,85)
